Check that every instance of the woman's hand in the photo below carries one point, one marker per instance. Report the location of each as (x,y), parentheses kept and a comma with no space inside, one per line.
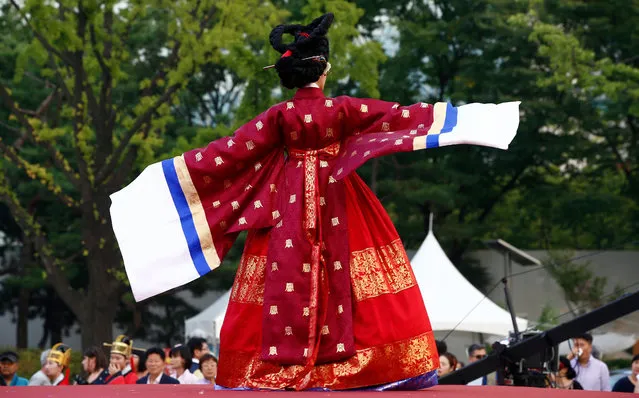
(113,369)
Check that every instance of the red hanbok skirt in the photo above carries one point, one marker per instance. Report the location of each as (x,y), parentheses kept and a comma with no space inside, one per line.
(393,336)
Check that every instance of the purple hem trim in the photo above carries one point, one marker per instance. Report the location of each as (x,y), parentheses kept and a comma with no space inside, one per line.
(420,382)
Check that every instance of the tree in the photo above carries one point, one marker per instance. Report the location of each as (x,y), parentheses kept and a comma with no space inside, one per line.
(583,291)
(464,51)
(97,124)
(589,54)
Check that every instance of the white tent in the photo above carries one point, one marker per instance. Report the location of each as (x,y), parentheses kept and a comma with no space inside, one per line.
(207,324)
(448,296)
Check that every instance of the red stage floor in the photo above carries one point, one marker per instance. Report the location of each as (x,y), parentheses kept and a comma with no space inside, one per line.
(163,391)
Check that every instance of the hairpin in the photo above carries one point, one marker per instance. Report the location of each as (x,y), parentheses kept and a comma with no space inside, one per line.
(313,57)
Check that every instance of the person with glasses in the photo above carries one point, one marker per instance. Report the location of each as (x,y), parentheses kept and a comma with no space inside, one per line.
(476,353)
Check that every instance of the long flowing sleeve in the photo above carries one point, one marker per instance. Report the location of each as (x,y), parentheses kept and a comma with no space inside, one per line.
(177,220)
(379,128)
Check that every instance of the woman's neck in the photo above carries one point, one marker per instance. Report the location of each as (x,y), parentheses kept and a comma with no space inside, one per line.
(94,375)
(179,372)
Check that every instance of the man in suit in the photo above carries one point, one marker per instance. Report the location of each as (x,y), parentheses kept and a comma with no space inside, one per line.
(155,358)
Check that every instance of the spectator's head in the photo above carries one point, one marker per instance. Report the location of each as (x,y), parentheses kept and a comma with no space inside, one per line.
(155,358)
(208,366)
(565,369)
(635,365)
(43,357)
(58,360)
(476,352)
(8,364)
(94,360)
(121,350)
(180,357)
(442,347)
(198,347)
(139,360)
(447,364)
(583,343)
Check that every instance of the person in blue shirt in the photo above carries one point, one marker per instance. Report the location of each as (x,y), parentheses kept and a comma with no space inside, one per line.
(9,370)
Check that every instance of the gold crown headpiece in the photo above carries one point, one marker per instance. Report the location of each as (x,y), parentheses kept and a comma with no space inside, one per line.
(60,354)
(120,347)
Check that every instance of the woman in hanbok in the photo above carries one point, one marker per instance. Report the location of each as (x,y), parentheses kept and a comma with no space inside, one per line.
(324,297)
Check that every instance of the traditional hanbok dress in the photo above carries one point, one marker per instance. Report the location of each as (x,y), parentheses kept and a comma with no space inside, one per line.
(324,296)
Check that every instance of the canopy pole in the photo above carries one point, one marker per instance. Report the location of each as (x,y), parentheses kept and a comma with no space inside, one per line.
(430,222)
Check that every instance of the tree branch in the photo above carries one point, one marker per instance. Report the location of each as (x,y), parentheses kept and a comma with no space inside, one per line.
(58,159)
(33,231)
(39,36)
(613,147)
(143,119)
(504,189)
(32,171)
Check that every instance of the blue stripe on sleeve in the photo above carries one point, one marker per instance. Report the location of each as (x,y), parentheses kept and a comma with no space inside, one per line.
(451,118)
(186,218)
(432,141)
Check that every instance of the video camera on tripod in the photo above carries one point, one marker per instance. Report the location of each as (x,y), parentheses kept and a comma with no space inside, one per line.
(530,371)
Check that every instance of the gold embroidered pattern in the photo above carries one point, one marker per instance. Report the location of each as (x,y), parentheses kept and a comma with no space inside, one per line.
(380,270)
(370,366)
(249,282)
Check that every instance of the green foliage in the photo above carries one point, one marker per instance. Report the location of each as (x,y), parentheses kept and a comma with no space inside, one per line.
(620,363)
(547,318)
(583,291)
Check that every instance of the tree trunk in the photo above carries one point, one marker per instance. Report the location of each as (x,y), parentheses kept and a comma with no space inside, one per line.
(96,324)
(22,325)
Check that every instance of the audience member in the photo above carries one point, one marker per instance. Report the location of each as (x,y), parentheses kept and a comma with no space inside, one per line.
(57,366)
(592,373)
(9,370)
(120,370)
(629,384)
(208,367)
(180,365)
(39,378)
(476,353)
(139,362)
(442,347)
(565,378)
(198,347)
(94,364)
(447,364)
(154,363)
